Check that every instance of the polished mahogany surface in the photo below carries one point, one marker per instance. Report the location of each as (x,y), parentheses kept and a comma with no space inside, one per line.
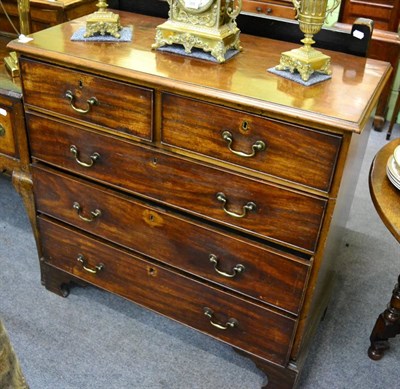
(242,81)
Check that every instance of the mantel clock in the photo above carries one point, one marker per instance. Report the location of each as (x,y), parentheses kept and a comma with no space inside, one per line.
(208,25)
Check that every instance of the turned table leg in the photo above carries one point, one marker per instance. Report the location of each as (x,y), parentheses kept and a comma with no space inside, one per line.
(387,326)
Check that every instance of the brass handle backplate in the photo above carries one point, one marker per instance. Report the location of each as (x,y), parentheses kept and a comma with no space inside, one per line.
(94,214)
(239,268)
(93,158)
(80,258)
(257,146)
(90,102)
(231,323)
(249,206)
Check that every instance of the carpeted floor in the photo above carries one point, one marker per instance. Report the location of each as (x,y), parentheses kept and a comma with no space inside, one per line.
(93,339)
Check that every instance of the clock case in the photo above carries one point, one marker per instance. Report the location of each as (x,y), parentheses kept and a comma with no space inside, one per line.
(211,28)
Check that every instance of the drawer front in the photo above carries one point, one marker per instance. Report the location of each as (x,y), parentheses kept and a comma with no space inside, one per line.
(292,153)
(116,106)
(270,9)
(254,270)
(267,211)
(256,330)
(7,144)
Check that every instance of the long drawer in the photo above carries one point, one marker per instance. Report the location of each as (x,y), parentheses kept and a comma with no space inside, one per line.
(240,323)
(253,206)
(87,98)
(286,151)
(236,263)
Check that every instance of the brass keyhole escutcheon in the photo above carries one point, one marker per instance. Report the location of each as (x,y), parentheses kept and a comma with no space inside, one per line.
(245,125)
(2,131)
(151,271)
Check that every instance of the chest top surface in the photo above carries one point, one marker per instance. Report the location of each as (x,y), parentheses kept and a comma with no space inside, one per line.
(344,102)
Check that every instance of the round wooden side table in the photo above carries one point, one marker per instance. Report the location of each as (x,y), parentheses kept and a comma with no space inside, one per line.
(386,199)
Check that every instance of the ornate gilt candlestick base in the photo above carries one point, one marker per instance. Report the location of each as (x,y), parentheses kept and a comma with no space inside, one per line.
(306,60)
(11,62)
(103,22)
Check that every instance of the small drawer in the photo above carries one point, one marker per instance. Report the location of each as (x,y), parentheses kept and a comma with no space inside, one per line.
(252,269)
(7,143)
(253,206)
(270,9)
(266,146)
(93,100)
(249,326)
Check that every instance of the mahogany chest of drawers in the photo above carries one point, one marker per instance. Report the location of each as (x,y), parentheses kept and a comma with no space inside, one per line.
(212,194)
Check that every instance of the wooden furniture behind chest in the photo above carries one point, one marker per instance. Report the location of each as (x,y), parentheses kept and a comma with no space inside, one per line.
(14,154)
(276,8)
(385,43)
(46,13)
(384,13)
(212,194)
(11,117)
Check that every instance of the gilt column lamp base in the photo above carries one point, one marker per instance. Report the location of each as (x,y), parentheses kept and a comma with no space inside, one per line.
(306,61)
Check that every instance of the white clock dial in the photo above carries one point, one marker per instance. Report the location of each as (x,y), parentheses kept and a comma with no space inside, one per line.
(196,5)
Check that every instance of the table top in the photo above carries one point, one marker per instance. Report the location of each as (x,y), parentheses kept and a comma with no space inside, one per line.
(385,196)
(345,102)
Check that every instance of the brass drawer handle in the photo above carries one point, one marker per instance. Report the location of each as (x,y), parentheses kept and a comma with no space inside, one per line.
(257,146)
(90,102)
(231,323)
(94,214)
(94,157)
(97,268)
(250,206)
(2,131)
(239,268)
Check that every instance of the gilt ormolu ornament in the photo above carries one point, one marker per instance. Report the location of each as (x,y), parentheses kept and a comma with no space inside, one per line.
(208,25)
(103,22)
(306,60)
